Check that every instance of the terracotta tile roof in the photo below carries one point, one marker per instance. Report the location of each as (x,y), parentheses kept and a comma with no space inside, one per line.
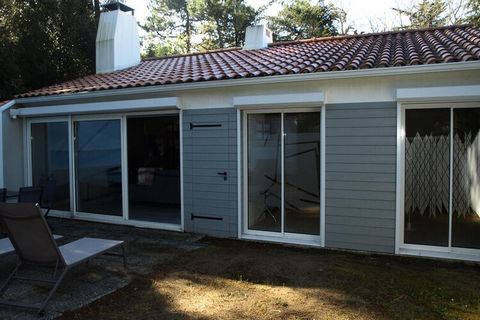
(380,50)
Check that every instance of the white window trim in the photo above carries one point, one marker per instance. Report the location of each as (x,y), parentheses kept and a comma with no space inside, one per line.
(123,219)
(284,237)
(98,107)
(401,247)
(440,94)
(311,99)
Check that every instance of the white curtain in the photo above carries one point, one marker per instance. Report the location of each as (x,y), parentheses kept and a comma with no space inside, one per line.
(427,174)
(427,171)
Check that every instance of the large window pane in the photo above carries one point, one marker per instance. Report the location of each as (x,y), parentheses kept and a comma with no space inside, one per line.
(154,169)
(302,172)
(50,160)
(427,166)
(466,178)
(264,172)
(98,167)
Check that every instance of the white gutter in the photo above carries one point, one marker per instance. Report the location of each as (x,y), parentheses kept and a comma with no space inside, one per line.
(98,107)
(3,108)
(378,72)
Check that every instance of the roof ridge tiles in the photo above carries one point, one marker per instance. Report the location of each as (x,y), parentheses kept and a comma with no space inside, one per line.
(192,54)
(366,35)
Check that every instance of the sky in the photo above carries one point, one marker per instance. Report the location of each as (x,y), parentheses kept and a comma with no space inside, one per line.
(362,13)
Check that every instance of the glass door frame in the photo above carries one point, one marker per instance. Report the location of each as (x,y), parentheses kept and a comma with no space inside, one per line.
(418,249)
(122,117)
(282,236)
(90,215)
(28,156)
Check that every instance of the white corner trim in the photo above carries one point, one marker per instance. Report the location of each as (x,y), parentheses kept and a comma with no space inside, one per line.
(399,180)
(239,174)
(98,107)
(182,170)
(438,93)
(279,100)
(323,154)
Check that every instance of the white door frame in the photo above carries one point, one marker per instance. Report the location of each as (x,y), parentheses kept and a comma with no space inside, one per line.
(158,225)
(415,249)
(282,236)
(122,117)
(90,215)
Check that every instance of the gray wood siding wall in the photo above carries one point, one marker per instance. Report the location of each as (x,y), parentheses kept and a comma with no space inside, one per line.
(360,176)
(207,151)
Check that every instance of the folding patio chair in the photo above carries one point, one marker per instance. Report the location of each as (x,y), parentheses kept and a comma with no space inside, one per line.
(30,195)
(35,245)
(48,195)
(3,198)
(49,188)
(3,194)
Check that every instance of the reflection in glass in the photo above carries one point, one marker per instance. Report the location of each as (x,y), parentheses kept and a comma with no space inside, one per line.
(98,167)
(264,171)
(302,172)
(50,160)
(427,180)
(466,178)
(154,169)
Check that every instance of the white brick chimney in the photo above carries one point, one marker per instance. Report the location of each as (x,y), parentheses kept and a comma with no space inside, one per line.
(117,44)
(257,37)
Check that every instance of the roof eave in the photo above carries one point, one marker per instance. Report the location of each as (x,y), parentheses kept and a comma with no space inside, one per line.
(331,75)
(7,105)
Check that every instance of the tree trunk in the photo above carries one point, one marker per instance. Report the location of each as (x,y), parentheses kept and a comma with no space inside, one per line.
(97,11)
(221,42)
(188,30)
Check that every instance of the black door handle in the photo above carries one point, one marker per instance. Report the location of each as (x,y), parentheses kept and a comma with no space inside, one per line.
(224,174)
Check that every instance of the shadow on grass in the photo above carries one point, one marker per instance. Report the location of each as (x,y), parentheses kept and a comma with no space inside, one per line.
(244,280)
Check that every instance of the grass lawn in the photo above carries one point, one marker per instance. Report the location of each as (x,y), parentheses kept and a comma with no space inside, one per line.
(244,280)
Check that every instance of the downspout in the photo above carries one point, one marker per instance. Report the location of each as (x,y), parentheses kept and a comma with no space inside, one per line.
(3,108)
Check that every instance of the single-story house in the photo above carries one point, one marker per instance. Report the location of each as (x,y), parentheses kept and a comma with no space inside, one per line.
(366,142)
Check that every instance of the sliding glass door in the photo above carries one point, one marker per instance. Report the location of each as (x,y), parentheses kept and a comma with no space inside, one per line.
(112,167)
(98,167)
(283,172)
(466,178)
(264,133)
(442,177)
(50,159)
(154,169)
(115,167)
(302,173)
(427,176)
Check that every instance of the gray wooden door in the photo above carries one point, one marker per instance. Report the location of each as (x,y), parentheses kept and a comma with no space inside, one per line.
(210,171)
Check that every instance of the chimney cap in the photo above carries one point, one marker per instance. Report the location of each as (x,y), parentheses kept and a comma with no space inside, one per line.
(112,5)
